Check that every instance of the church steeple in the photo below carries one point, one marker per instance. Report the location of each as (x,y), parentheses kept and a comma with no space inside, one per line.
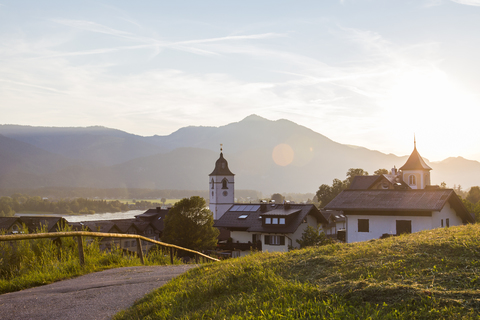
(416,173)
(222,187)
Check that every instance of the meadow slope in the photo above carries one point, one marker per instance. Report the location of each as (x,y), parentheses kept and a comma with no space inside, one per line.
(428,275)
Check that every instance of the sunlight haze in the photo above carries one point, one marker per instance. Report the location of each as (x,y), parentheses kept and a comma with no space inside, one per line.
(367,73)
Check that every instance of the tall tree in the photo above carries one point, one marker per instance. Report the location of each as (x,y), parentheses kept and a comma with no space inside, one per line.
(189,224)
(473,194)
(380,172)
(326,193)
(352,173)
(277,197)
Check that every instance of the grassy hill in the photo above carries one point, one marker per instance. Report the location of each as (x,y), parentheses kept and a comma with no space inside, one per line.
(427,275)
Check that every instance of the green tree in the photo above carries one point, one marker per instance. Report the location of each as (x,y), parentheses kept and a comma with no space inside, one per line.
(189,224)
(326,193)
(380,172)
(313,237)
(473,195)
(352,173)
(277,197)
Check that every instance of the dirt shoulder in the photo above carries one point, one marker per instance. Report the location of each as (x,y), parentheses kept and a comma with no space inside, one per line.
(97,295)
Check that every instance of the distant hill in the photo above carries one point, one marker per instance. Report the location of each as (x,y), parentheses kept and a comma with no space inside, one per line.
(99,157)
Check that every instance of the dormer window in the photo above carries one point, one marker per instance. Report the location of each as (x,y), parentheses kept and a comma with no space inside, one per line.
(412,180)
(224,184)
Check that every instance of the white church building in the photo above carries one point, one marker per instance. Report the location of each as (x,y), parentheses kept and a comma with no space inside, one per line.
(257,226)
(401,202)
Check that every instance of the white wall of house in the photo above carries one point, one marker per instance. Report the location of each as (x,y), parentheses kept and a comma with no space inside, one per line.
(446,213)
(378,225)
(290,238)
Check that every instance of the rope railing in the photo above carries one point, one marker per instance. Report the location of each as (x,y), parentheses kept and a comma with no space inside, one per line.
(80,234)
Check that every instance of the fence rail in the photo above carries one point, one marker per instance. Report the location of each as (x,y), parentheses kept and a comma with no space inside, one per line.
(80,234)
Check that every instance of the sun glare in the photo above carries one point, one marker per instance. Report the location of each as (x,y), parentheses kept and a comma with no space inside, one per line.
(428,103)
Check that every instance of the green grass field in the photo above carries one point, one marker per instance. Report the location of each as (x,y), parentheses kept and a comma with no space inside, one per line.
(428,275)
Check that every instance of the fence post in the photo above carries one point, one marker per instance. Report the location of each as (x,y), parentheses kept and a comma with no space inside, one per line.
(140,251)
(171,255)
(81,254)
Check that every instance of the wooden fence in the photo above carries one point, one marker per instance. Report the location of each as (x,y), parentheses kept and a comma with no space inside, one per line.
(80,234)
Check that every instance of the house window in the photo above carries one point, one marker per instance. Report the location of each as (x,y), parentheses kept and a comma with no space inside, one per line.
(441,223)
(224,184)
(268,220)
(412,180)
(282,221)
(212,184)
(275,240)
(447,222)
(274,220)
(363,225)
(404,226)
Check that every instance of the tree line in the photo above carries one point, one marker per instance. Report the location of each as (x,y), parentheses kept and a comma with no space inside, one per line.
(20,203)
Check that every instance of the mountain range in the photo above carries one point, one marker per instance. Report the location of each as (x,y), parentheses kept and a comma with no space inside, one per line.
(99,157)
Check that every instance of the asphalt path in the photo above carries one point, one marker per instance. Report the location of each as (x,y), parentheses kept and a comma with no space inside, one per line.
(97,295)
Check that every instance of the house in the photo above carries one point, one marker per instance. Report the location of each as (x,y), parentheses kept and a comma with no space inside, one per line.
(105,226)
(402,202)
(50,224)
(258,226)
(335,227)
(10,225)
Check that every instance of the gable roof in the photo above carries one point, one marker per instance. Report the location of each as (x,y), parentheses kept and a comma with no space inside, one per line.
(106,226)
(35,223)
(415,162)
(7,222)
(399,200)
(367,182)
(363,182)
(296,213)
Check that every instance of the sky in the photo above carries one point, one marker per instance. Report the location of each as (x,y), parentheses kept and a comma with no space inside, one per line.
(372,73)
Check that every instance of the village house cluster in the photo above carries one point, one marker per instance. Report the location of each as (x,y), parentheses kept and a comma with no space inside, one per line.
(376,206)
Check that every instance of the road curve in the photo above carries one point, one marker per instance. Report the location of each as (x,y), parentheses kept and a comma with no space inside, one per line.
(96,296)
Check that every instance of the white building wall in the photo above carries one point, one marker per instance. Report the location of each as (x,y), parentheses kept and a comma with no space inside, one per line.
(446,213)
(290,238)
(219,202)
(378,225)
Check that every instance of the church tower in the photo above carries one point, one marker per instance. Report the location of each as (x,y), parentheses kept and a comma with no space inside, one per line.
(222,188)
(415,172)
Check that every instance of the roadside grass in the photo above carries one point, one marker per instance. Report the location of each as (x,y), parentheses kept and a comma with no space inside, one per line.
(29,263)
(427,275)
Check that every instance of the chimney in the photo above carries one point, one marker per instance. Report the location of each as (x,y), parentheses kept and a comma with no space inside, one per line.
(287,205)
(263,206)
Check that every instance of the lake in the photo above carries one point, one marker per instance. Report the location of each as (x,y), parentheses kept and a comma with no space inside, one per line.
(88,217)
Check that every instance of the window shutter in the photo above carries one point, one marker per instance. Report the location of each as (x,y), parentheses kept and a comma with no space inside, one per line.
(282,240)
(267,239)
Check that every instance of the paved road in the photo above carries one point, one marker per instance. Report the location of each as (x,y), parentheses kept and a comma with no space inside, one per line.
(97,295)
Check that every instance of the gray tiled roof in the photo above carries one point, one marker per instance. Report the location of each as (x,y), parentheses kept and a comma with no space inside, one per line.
(7,222)
(363,182)
(253,222)
(398,200)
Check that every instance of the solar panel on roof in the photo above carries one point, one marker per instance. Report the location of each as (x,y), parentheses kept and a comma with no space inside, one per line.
(245,208)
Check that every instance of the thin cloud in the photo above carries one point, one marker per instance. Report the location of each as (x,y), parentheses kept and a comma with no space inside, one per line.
(468,2)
